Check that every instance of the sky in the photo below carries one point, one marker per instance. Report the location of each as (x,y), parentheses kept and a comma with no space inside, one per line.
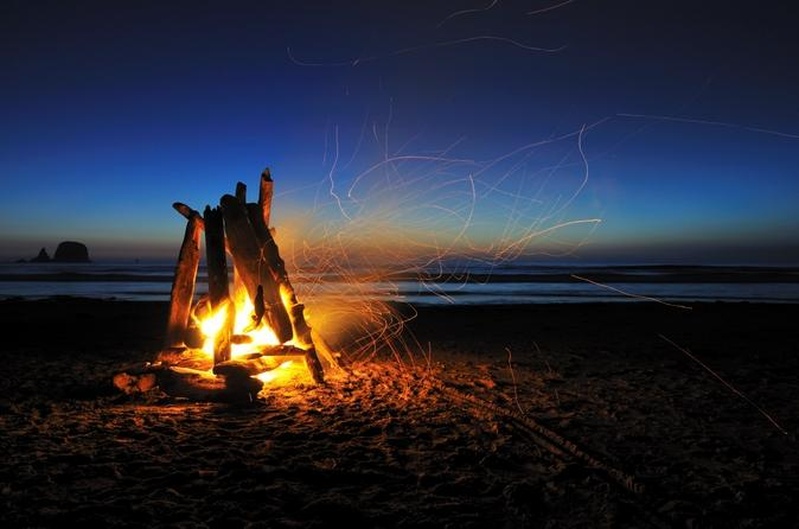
(614,130)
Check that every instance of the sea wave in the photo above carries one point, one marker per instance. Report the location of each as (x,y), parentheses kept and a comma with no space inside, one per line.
(458,283)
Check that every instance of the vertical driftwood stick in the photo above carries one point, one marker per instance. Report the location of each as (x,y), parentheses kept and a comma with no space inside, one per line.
(254,271)
(215,257)
(265,196)
(270,255)
(218,289)
(302,335)
(241,192)
(183,284)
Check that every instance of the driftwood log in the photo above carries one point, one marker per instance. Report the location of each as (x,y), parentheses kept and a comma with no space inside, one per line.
(270,254)
(218,280)
(240,230)
(265,192)
(257,363)
(188,383)
(253,269)
(181,296)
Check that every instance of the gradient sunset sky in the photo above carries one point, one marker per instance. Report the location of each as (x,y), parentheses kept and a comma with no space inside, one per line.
(583,130)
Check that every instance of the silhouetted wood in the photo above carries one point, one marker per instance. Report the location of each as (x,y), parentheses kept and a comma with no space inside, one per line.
(218,287)
(254,270)
(183,284)
(204,386)
(265,196)
(241,192)
(187,212)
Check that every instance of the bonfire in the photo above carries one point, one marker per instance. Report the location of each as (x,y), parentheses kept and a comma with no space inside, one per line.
(249,329)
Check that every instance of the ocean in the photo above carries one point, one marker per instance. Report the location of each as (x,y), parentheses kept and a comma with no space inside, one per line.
(458,283)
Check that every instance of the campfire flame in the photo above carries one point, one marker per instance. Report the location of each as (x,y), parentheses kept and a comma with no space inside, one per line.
(248,337)
(244,332)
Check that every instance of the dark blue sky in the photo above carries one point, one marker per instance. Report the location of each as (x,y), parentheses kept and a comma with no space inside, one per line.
(643,131)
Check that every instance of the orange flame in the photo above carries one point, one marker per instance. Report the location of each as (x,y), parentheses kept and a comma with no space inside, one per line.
(249,337)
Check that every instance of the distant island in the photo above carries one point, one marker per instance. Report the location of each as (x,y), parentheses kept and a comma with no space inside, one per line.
(66,252)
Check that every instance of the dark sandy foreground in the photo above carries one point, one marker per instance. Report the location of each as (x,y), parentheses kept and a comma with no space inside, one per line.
(535,416)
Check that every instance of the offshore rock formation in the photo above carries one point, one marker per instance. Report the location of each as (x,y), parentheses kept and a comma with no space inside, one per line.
(71,252)
(42,257)
(66,252)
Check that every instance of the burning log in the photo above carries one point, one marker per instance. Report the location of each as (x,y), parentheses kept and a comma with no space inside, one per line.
(238,229)
(218,288)
(249,263)
(216,260)
(182,293)
(257,363)
(251,243)
(259,220)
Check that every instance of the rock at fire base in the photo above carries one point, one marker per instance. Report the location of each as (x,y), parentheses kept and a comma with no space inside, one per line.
(71,252)
(131,384)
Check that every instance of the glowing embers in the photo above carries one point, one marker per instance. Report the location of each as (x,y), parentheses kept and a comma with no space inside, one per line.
(248,335)
(255,350)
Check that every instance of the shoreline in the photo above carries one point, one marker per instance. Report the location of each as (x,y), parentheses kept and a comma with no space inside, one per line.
(518,284)
(644,274)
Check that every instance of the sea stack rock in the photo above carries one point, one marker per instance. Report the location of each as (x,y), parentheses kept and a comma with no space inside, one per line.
(42,257)
(71,252)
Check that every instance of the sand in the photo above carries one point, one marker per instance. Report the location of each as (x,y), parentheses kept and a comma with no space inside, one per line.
(627,414)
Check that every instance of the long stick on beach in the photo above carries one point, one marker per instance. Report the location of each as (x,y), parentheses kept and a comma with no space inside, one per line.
(727,384)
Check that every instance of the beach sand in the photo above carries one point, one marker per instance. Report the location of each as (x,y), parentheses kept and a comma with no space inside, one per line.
(620,415)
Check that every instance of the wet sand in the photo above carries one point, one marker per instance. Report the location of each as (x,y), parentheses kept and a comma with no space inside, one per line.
(618,415)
